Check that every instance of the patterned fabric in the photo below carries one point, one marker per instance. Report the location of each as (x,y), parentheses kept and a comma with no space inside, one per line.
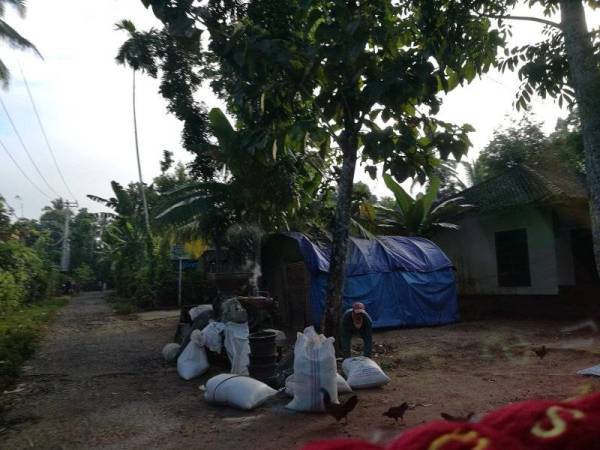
(531,425)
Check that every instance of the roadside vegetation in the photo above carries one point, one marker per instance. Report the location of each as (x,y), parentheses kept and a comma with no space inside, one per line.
(29,285)
(20,331)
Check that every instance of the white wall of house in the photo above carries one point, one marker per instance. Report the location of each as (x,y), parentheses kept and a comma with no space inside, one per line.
(472,250)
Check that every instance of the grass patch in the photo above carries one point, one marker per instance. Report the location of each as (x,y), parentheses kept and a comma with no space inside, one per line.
(20,331)
(120,305)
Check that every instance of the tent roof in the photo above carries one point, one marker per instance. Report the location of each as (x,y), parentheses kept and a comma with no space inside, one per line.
(384,254)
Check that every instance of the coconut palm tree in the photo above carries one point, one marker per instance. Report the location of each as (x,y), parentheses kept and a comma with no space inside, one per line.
(10,36)
(135,52)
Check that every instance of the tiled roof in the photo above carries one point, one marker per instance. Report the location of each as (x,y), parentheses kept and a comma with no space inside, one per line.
(523,185)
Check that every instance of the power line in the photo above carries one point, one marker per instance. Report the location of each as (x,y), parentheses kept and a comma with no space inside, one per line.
(35,110)
(25,148)
(23,172)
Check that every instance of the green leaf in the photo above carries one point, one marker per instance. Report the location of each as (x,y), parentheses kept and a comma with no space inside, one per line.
(414,217)
(222,129)
(403,200)
(430,194)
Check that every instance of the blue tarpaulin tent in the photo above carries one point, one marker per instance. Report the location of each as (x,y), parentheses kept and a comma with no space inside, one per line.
(403,281)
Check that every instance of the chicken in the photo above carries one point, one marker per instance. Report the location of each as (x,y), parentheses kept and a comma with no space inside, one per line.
(451,418)
(338,411)
(540,351)
(397,412)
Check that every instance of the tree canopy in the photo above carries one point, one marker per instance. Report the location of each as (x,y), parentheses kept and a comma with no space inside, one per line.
(349,79)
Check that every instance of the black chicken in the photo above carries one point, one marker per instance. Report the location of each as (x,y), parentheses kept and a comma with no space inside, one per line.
(540,351)
(338,411)
(397,412)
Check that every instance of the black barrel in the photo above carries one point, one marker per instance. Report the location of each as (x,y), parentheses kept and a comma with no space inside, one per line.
(263,356)
(262,343)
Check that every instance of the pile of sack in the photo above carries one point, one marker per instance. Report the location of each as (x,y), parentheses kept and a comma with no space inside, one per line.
(315,369)
(231,334)
(529,425)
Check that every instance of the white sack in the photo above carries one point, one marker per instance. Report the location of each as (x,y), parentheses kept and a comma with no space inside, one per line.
(314,369)
(237,391)
(241,357)
(362,372)
(197,337)
(213,337)
(342,386)
(170,352)
(192,362)
(197,310)
(238,346)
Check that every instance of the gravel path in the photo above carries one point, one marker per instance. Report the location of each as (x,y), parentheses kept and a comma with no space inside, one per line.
(97,381)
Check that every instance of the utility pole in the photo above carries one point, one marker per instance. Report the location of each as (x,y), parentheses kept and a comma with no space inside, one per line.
(65,259)
(20,200)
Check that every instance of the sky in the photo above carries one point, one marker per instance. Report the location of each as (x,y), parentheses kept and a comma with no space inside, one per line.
(84,101)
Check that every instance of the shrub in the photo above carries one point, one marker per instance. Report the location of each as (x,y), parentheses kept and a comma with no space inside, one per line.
(84,276)
(11,293)
(20,330)
(35,278)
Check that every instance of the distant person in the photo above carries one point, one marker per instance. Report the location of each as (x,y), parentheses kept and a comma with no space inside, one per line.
(356,320)
(67,287)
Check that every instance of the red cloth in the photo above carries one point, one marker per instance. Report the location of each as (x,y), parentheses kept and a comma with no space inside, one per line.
(453,436)
(549,425)
(531,425)
(588,404)
(339,444)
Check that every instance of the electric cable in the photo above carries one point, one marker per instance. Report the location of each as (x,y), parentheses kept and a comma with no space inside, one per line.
(25,148)
(39,120)
(23,172)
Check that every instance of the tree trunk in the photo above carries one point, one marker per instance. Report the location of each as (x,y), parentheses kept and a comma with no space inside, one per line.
(337,264)
(585,81)
(137,153)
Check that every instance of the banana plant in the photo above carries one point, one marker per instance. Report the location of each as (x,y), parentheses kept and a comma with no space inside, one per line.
(419,216)
(268,186)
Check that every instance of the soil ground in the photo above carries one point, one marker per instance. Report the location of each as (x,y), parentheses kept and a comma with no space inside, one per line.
(99,381)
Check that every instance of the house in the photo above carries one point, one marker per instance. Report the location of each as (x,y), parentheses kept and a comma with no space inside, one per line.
(528,235)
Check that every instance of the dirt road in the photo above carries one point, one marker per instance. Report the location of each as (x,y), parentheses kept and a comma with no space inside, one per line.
(98,381)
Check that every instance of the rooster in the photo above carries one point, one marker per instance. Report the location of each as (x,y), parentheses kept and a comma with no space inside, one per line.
(540,351)
(338,411)
(397,412)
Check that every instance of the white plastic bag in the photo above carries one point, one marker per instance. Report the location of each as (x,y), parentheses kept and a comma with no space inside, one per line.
(192,362)
(241,358)
(170,352)
(314,369)
(212,335)
(197,310)
(342,386)
(362,372)
(238,346)
(197,337)
(237,391)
